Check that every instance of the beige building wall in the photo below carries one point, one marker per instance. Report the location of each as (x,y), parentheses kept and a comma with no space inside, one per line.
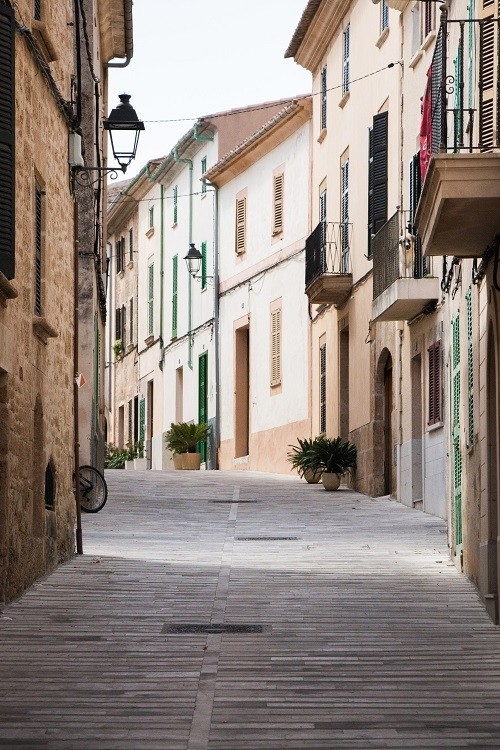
(36,351)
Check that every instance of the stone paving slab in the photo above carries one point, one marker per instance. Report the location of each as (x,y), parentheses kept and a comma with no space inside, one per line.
(371,638)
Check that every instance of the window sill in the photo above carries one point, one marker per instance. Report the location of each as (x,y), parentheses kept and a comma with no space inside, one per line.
(428,40)
(345,99)
(416,59)
(383,36)
(149,340)
(7,290)
(130,347)
(322,135)
(436,426)
(150,232)
(130,264)
(43,330)
(203,194)
(121,274)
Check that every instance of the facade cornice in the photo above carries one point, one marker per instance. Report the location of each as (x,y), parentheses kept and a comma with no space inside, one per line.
(271,135)
(112,28)
(318,26)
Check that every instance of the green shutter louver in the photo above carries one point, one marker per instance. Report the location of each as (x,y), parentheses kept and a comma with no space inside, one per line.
(151,287)
(7,130)
(142,419)
(470,368)
(175,263)
(203,265)
(457,452)
(176,194)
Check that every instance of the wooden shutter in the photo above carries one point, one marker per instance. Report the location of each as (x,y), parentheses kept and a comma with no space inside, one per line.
(38,248)
(276,346)
(419,262)
(370,191)
(345,59)
(457,451)
(488,62)
(7,130)
(470,368)
(203,398)
(322,218)
(323,97)
(278,184)
(176,191)
(130,422)
(344,215)
(124,326)
(322,388)
(118,324)
(434,354)
(142,419)
(131,244)
(203,170)
(174,295)
(379,171)
(37,10)
(203,265)
(131,324)
(151,290)
(240,225)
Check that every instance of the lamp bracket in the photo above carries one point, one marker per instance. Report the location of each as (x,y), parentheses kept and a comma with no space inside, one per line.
(83,175)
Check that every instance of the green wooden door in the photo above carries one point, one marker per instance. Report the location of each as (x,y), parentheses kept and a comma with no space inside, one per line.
(457,452)
(203,397)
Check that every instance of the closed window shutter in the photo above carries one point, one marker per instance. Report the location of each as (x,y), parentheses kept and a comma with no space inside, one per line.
(174,296)
(379,171)
(419,262)
(124,326)
(344,216)
(7,129)
(175,203)
(118,324)
(457,451)
(323,97)
(38,249)
(278,181)
(131,324)
(370,191)
(130,422)
(434,354)
(240,225)
(322,218)
(131,244)
(151,281)
(276,346)
(487,82)
(203,399)
(203,170)
(142,419)
(470,367)
(322,388)
(37,10)
(345,59)
(203,265)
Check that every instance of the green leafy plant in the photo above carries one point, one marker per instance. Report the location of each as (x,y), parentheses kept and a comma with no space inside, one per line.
(333,455)
(114,457)
(183,437)
(118,347)
(301,456)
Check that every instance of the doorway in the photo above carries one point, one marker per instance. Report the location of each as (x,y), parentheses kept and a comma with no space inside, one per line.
(242,392)
(416,431)
(149,423)
(493,446)
(388,407)
(344,383)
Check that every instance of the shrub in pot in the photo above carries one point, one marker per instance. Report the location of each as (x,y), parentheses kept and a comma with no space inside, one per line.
(301,457)
(183,439)
(334,457)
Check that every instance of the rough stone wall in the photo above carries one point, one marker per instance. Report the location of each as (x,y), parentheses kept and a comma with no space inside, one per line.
(36,370)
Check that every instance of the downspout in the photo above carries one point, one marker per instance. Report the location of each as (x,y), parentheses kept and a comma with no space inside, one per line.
(129,36)
(190,281)
(76,447)
(216,325)
(162,256)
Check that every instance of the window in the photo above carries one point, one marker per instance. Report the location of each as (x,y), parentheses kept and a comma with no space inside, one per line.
(118,324)
(176,194)
(276,343)
(131,245)
(37,10)
(323,97)
(50,487)
(420,263)
(278,185)
(470,369)
(151,287)
(322,218)
(377,176)
(131,324)
(384,16)
(429,18)
(345,59)
(203,265)
(175,270)
(38,246)
(241,212)
(151,217)
(120,255)
(203,170)
(124,326)
(434,354)
(130,422)
(322,388)
(344,215)
(7,132)
(416,39)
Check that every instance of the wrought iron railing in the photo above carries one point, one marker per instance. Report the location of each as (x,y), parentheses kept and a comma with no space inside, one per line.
(397,253)
(465,85)
(328,250)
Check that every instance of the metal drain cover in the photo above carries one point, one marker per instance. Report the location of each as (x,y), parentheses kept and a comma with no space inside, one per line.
(233,501)
(267,538)
(185,628)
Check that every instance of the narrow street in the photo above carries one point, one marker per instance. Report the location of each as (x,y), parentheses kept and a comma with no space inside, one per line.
(356,631)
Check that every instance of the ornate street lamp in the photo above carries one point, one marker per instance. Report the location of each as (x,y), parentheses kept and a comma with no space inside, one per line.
(193,261)
(121,122)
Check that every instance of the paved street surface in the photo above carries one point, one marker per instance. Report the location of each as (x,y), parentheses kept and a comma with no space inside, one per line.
(357,631)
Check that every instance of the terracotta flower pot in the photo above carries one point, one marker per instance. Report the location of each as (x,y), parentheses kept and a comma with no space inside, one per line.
(330,481)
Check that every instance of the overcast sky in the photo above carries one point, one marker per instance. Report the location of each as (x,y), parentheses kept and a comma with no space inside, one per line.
(196,57)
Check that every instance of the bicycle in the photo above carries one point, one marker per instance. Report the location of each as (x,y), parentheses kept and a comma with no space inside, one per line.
(93,489)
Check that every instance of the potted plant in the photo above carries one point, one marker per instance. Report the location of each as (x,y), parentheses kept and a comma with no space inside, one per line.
(140,461)
(334,457)
(182,439)
(118,348)
(301,457)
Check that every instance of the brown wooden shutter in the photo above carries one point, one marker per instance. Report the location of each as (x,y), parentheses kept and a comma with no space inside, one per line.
(118,323)
(7,129)
(434,353)
(241,225)
(276,346)
(38,248)
(278,185)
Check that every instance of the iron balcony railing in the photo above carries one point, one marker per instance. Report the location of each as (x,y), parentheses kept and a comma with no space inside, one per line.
(397,253)
(465,85)
(328,250)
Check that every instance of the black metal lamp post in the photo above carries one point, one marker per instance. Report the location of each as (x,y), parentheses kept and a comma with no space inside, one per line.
(193,260)
(121,123)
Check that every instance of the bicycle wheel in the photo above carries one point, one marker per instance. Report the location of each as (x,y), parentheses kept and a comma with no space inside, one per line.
(93,489)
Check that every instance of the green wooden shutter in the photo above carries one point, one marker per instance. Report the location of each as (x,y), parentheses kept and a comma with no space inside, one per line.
(457,453)
(203,265)
(151,290)
(203,170)
(175,264)
(7,130)
(142,419)
(176,192)
(379,170)
(203,398)
(470,368)
(345,59)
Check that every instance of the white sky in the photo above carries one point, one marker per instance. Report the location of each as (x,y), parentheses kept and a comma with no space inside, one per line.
(196,57)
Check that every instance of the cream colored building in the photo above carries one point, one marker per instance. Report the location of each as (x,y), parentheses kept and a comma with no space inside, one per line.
(263,197)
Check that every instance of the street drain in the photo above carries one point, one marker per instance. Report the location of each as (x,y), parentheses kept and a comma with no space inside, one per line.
(233,501)
(267,538)
(186,628)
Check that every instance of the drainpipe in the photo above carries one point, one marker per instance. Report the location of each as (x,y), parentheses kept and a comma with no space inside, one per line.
(162,256)
(129,36)
(79,542)
(190,281)
(216,324)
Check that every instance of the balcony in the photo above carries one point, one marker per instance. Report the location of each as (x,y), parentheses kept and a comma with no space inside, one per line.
(401,285)
(328,265)
(459,209)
